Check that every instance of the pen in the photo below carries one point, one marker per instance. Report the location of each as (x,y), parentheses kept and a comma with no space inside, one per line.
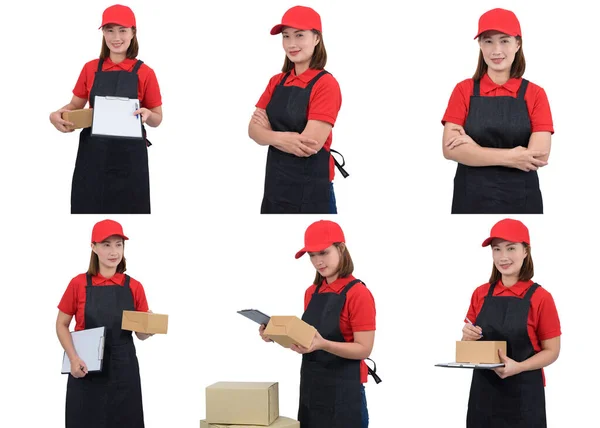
(137,116)
(469,321)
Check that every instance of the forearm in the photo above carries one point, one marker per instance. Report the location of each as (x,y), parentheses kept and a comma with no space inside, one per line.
(540,360)
(65,339)
(263,136)
(154,119)
(348,350)
(477,156)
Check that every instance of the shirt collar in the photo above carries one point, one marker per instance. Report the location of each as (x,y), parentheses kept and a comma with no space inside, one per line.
(487,85)
(305,77)
(126,65)
(337,285)
(519,289)
(116,279)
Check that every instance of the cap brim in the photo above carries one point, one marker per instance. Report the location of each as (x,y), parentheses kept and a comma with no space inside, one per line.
(496,29)
(487,241)
(313,249)
(125,238)
(279,27)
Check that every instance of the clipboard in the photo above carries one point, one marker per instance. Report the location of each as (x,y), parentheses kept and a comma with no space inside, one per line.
(482,366)
(255,315)
(89,345)
(113,117)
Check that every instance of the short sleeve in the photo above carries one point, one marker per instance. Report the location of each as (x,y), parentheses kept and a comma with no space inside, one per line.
(540,114)
(325,100)
(152,97)
(548,322)
(361,309)
(265,98)
(474,307)
(458,105)
(80,89)
(68,303)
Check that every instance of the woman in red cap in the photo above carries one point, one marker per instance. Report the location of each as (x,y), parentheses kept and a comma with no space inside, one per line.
(512,308)
(111,173)
(112,397)
(342,309)
(498,126)
(294,117)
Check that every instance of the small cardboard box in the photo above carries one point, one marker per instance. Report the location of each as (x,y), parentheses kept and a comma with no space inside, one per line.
(242,403)
(288,330)
(281,422)
(479,351)
(81,118)
(145,322)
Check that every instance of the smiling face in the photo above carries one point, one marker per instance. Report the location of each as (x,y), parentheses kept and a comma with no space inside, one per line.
(508,257)
(109,252)
(117,38)
(327,262)
(299,45)
(498,50)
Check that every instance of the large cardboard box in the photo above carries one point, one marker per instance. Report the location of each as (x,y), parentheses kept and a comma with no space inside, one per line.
(288,330)
(281,422)
(242,403)
(81,118)
(145,322)
(479,351)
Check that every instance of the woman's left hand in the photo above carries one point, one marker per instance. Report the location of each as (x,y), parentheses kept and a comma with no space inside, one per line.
(317,344)
(459,140)
(511,367)
(260,117)
(144,112)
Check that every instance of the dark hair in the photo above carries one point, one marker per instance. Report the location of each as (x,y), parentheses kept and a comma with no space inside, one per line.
(346,266)
(526,272)
(94,268)
(318,59)
(517,69)
(132,50)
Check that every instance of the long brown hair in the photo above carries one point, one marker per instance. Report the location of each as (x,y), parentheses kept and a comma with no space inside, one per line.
(94,268)
(318,59)
(526,272)
(346,266)
(517,69)
(132,50)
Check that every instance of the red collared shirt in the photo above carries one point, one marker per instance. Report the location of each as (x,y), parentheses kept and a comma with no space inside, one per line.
(324,103)
(358,313)
(542,322)
(535,98)
(148,89)
(73,301)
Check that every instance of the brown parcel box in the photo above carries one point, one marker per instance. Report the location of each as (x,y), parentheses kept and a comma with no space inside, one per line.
(288,330)
(242,403)
(479,351)
(145,322)
(282,422)
(81,118)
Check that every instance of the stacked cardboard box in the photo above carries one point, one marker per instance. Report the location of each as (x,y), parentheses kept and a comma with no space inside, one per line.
(244,405)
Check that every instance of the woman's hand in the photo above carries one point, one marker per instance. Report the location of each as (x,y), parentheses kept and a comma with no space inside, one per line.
(317,344)
(261,331)
(58,122)
(144,112)
(511,367)
(297,144)
(471,332)
(260,117)
(78,368)
(459,140)
(526,159)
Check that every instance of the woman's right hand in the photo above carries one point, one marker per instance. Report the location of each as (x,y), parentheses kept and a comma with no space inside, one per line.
(527,160)
(58,122)
(471,332)
(78,368)
(297,144)
(261,331)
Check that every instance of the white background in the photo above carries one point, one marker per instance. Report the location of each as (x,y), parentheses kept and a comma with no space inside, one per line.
(205,252)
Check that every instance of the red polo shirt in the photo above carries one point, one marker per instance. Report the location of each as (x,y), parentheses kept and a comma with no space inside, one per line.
(535,98)
(324,103)
(73,301)
(358,313)
(542,322)
(148,89)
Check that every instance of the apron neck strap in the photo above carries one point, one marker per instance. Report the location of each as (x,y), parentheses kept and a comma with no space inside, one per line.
(100,63)
(476,88)
(523,89)
(88,280)
(137,66)
(491,290)
(314,80)
(349,286)
(284,78)
(531,290)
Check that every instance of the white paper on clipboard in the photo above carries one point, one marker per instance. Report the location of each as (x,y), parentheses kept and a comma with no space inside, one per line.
(113,117)
(89,345)
(485,366)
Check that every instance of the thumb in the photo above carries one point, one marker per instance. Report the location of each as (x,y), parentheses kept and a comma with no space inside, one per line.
(502,355)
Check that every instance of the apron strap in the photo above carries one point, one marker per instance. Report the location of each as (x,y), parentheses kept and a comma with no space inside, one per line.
(284,78)
(88,280)
(126,284)
(491,291)
(476,88)
(137,66)
(373,371)
(523,89)
(531,290)
(349,286)
(317,77)
(100,64)
(337,164)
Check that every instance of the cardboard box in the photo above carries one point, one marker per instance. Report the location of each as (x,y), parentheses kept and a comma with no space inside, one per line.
(81,118)
(145,322)
(281,422)
(288,330)
(242,403)
(479,351)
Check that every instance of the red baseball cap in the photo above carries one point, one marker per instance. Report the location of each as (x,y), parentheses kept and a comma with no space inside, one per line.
(300,17)
(509,230)
(118,14)
(106,228)
(501,20)
(320,235)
